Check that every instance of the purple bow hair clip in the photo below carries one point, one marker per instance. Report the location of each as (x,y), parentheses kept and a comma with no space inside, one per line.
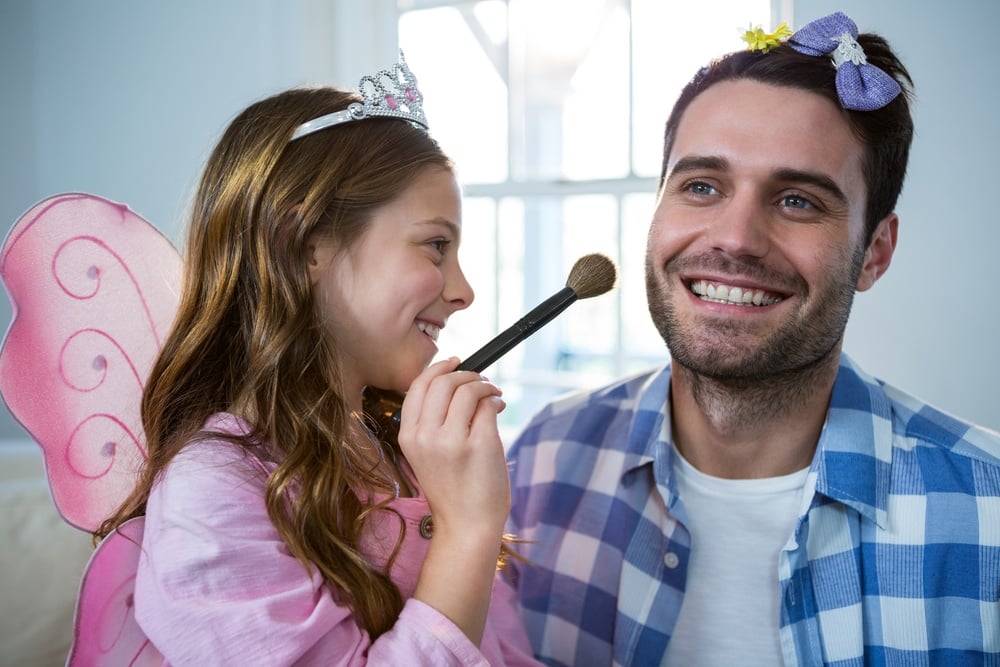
(860,86)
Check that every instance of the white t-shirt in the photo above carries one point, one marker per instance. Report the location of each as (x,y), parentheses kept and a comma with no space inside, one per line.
(730,614)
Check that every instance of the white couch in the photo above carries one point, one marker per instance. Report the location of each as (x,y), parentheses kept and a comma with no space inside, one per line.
(41,560)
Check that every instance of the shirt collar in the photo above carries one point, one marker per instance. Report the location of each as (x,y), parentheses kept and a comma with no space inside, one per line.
(649,440)
(853,458)
(854,455)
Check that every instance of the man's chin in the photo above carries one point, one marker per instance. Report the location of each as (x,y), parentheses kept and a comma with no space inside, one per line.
(727,360)
(713,370)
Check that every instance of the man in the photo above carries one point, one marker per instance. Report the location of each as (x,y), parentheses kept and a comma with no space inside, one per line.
(761,500)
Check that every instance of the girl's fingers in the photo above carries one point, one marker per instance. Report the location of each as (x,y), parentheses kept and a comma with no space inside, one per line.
(462,399)
(483,427)
(414,399)
(442,398)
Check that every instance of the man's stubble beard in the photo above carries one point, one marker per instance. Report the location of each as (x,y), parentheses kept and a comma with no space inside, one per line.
(781,370)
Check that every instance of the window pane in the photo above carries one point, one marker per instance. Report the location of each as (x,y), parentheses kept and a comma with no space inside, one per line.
(568,63)
(469,330)
(641,343)
(456,55)
(672,40)
(595,122)
(589,328)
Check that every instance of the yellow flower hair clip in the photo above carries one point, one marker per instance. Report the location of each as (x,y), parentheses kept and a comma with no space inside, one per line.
(758,40)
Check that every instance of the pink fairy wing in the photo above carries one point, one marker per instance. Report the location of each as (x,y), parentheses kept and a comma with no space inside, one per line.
(94,289)
(105,631)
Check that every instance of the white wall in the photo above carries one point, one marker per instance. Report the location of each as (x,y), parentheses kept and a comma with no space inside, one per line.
(932,324)
(124,99)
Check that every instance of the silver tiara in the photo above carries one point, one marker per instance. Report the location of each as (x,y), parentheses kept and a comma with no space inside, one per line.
(389,93)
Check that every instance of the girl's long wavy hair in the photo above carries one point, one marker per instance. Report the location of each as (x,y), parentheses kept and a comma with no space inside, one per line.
(247,332)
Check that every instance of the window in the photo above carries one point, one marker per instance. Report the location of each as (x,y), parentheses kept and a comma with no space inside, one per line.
(553,111)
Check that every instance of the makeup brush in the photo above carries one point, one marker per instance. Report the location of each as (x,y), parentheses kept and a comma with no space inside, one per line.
(591,275)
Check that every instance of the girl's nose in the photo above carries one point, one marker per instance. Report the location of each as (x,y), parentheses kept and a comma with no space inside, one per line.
(457,290)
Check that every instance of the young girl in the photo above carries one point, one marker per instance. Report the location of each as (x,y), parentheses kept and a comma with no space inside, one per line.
(321,261)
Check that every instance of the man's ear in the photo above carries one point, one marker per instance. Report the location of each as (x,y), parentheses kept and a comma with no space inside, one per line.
(879,252)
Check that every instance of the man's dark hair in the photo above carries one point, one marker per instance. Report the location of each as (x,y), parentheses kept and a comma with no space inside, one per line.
(885,134)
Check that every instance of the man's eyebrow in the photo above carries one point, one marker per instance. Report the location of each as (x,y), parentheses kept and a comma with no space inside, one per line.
(715,163)
(697,163)
(812,178)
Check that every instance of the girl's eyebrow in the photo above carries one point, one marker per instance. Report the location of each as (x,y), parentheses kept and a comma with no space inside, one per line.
(454,227)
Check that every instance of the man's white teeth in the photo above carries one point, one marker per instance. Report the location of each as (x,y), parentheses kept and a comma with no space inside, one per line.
(429,329)
(732,295)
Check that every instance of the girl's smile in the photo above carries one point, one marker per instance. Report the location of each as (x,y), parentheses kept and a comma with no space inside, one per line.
(386,298)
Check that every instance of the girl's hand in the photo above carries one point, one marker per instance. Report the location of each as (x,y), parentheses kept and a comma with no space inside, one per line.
(448,433)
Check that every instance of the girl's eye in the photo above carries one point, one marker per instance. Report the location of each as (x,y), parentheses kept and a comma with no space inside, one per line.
(439,245)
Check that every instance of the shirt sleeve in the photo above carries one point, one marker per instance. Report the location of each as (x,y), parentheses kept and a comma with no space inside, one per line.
(216,585)
(505,641)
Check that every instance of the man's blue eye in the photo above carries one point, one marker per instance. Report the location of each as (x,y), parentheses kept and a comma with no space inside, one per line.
(792,201)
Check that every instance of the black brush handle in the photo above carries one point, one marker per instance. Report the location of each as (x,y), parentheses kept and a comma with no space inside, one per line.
(541,315)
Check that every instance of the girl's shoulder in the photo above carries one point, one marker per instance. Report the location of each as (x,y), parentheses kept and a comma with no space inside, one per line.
(220,450)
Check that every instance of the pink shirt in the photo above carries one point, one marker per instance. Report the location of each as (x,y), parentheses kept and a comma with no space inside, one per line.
(216,585)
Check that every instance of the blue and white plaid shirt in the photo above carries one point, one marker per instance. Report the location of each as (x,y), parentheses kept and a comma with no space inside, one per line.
(895,559)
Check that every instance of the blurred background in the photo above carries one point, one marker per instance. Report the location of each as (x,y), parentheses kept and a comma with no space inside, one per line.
(553,111)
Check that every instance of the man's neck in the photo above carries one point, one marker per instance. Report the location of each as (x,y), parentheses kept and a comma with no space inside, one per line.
(751,429)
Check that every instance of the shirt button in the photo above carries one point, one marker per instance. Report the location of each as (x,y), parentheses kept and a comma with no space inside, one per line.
(671,560)
(426,527)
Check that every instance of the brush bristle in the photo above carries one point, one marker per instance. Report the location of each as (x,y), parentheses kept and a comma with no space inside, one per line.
(592,275)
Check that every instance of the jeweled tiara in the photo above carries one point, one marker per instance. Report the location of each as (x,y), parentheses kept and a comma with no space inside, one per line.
(389,93)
